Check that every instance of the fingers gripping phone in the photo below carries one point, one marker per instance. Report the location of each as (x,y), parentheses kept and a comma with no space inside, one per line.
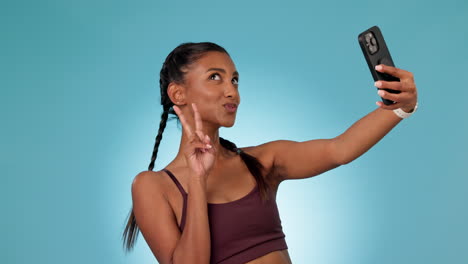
(376,52)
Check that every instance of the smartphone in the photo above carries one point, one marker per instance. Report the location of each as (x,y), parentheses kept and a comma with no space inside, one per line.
(376,52)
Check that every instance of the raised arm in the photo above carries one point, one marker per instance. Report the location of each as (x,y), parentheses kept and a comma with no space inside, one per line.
(153,212)
(158,225)
(297,160)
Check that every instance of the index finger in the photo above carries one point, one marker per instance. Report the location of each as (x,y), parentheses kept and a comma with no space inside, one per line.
(198,122)
(184,122)
(397,72)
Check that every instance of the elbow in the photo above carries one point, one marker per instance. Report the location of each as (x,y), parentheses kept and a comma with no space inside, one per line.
(340,155)
(340,161)
(189,257)
(191,260)
(344,162)
(343,159)
(170,261)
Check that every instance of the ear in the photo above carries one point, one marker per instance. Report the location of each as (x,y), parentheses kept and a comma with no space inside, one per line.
(177,93)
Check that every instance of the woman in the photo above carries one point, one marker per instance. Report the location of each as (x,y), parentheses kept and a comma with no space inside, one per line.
(215,203)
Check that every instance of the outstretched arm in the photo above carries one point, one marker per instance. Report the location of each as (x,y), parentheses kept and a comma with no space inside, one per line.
(297,160)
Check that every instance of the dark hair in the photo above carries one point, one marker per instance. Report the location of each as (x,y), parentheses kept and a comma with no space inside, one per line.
(173,70)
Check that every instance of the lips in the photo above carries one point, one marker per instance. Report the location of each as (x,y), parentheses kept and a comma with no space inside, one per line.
(230,107)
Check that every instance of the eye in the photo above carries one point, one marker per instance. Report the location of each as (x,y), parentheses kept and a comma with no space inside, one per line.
(235,80)
(215,76)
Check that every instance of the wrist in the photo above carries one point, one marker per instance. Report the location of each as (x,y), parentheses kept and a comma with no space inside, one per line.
(405,112)
(196,180)
(407,109)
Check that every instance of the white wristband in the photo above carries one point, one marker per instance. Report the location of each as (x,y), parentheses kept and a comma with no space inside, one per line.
(402,114)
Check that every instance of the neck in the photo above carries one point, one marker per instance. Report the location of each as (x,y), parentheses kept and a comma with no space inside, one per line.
(213,132)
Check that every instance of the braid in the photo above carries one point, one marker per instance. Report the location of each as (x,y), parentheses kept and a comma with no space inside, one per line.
(228,145)
(162,126)
(131,229)
(254,166)
(172,70)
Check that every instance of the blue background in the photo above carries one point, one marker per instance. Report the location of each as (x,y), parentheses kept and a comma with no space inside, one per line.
(80,111)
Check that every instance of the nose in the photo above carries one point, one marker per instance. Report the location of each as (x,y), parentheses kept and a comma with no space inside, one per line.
(231,91)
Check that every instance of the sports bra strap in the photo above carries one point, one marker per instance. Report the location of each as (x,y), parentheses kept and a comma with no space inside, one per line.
(181,189)
(184,195)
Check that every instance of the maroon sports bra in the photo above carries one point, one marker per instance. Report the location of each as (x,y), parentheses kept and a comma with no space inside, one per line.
(241,230)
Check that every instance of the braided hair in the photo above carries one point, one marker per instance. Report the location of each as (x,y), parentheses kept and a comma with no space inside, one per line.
(173,71)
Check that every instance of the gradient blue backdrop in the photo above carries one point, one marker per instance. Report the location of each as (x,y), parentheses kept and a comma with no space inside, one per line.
(80,111)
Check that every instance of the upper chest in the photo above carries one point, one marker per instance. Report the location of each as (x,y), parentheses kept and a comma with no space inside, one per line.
(226,183)
(229,181)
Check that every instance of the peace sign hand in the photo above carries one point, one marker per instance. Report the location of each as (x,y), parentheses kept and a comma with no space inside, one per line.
(198,151)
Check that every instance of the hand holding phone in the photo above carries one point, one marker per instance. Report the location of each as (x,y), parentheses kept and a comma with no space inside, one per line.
(376,52)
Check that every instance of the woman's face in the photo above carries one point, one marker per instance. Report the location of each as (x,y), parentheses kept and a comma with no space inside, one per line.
(211,82)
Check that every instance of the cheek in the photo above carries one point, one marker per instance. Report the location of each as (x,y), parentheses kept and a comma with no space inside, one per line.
(209,98)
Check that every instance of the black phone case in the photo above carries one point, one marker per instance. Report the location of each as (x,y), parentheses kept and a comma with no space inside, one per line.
(381,56)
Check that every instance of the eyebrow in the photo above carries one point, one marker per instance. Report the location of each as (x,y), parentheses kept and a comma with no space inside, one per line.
(221,70)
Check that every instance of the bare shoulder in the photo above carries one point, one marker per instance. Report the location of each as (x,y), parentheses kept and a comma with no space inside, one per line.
(265,153)
(299,160)
(154,215)
(148,181)
(262,151)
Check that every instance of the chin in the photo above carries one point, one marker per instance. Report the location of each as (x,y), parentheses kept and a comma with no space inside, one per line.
(229,123)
